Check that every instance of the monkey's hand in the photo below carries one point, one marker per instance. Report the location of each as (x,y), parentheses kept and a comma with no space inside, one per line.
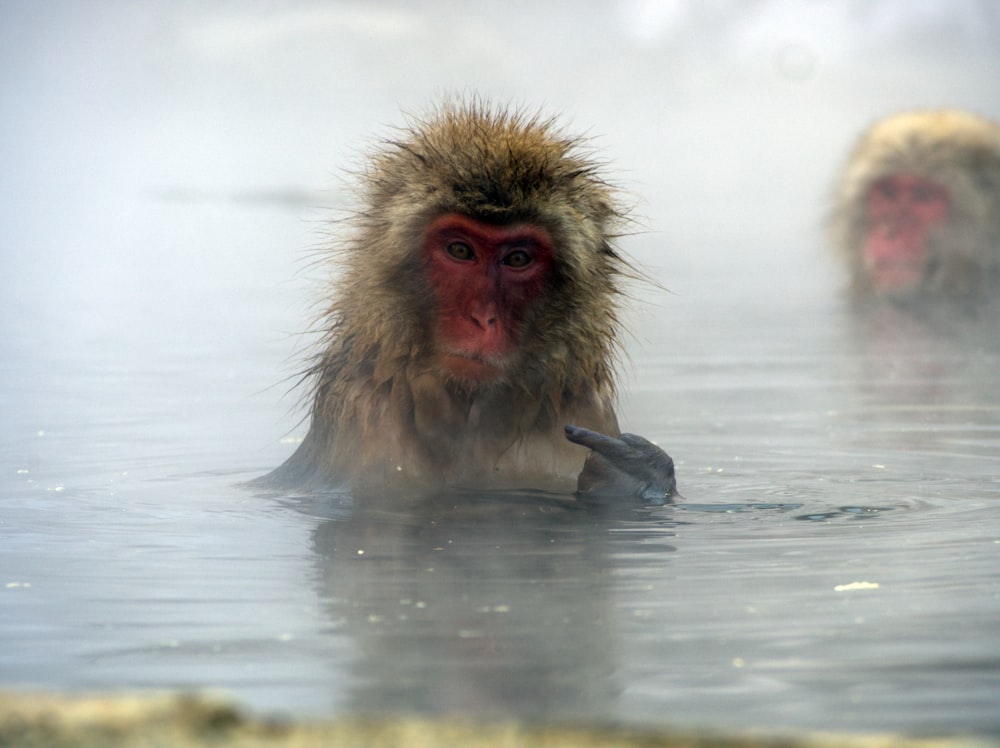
(625,466)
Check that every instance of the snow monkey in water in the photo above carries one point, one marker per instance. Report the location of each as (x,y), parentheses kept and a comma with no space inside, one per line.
(917,208)
(471,337)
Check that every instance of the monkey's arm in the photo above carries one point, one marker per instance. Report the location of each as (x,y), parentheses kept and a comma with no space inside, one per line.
(624,466)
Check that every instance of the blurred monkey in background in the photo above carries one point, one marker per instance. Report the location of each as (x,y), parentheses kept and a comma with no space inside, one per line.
(916,211)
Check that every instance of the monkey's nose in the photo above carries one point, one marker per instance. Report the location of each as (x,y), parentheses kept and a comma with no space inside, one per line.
(484,322)
(486,318)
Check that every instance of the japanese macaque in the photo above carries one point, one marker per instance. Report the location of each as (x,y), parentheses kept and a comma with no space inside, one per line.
(471,338)
(917,208)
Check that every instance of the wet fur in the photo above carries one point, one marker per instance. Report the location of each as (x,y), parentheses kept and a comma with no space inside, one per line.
(384,416)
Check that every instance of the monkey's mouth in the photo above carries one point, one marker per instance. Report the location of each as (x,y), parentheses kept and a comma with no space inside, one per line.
(898,275)
(472,366)
(895,260)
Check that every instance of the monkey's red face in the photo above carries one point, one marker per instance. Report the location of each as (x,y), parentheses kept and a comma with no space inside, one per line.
(485,278)
(901,212)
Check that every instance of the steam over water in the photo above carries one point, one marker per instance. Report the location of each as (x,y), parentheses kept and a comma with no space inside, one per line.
(168,172)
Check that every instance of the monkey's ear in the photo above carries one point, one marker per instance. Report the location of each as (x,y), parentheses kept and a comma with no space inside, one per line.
(626,468)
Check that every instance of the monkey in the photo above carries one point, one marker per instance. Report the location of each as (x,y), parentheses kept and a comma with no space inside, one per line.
(472,336)
(916,209)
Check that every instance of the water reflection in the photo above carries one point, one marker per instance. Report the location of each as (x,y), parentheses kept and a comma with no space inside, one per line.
(499,607)
(925,329)
(924,378)
(846,512)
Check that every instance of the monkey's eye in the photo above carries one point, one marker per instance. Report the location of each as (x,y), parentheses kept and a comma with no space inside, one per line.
(885,188)
(461,251)
(518,259)
(925,193)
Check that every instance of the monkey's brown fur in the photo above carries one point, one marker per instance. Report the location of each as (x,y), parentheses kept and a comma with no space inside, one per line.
(958,150)
(384,417)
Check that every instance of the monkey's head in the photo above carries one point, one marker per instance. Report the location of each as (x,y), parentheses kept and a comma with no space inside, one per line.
(917,207)
(484,245)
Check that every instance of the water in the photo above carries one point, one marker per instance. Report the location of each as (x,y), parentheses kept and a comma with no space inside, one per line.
(834,562)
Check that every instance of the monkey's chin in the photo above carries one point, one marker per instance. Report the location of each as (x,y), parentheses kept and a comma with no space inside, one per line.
(895,263)
(471,369)
(896,278)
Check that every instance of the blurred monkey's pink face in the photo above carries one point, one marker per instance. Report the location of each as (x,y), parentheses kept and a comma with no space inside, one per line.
(901,211)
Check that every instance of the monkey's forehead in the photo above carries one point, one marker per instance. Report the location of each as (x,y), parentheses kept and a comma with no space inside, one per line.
(939,124)
(932,138)
(956,149)
(494,162)
(492,185)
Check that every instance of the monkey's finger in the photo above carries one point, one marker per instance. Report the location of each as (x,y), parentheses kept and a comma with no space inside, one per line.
(640,442)
(609,446)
